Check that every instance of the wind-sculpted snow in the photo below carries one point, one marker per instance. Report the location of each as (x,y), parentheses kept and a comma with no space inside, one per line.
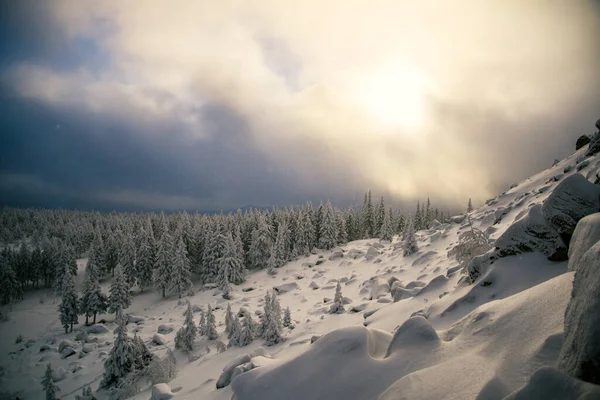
(586,234)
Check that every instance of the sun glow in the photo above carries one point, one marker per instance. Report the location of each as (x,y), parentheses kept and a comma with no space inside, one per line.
(395,96)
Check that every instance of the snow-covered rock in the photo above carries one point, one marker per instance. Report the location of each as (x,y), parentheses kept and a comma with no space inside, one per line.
(135,319)
(59,374)
(582,141)
(415,284)
(402,293)
(354,253)
(574,198)
(226,376)
(580,354)
(67,352)
(164,329)
(586,234)
(286,287)
(359,307)
(98,329)
(458,219)
(379,288)
(531,233)
(159,339)
(372,253)
(161,391)
(89,347)
(336,255)
(66,343)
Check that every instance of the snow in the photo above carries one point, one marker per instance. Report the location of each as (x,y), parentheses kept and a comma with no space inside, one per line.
(161,391)
(586,234)
(500,336)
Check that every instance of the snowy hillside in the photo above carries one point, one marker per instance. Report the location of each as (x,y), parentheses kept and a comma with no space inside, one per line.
(414,326)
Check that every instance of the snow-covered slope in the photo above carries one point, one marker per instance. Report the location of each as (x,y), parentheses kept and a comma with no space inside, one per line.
(464,341)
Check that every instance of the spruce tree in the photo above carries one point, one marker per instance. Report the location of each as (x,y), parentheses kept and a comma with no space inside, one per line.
(231,268)
(379,216)
(11,289)
(145,260)
(281,243)
(272,262)
(202,325)
(180,282)
(470,206)
(342,232)
(260,248)
(127,260)
(287,317)
(86,394)
(410,242)
(119,297)
(211,326)
(228,319)
(164,263)
(338,301)
(186,335)
(236,332)
(328,228)
(143,356)
(247,333)
(121,359)
(387,232)
(48,384)
(93,302)
(272,324)
(418,218)
(68,307)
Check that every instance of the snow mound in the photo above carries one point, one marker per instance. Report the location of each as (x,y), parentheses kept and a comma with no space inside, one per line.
(580,355)
(401,293)
(372,253)
(97,329)
(574,198)
(161,391)
(531,233)
(416,331)
(549,383)
(286,287)
(165,329)
(379,288)
(587,233)
(435,284)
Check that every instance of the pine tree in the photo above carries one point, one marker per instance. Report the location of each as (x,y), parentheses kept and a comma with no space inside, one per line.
(202,327)
(271,323)
(48,384)
(86,394)
(338,301)
(342,237)
(164,263)
(119,297)
(228,319)
(235,334)
(11,289)
(304,235)
(68,307)
(127,260)
(145,260)
(260,248)
(92,302)
(470,206)
(428,214)
(379,216)
(211,326)
(387,232)
(367,217)
(281,251)
(328,228)
(287,317)
(122,357)
(231,268)
(143,356)
(247,334)
(180,282)
(410,242)
(418,219)
(186,335)
(272,262)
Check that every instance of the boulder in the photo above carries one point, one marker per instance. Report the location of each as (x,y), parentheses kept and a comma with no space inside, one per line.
(97,329)
(89,347)
(336,255)
(226,376)
(379,288)
(582,141)
(395,286)
(320,261)
(594,145)
(159,339)
(415,284)
(354,253)
(67,352)
(59,374)
(308,265)
(372,253)
(580,354)
(286,287)
(458,219)
(572,199)
(314,338)
(346,300)
(532,233)
(134,319)
(66,343)
(165,329)
(313,285)
(161,391)
(401,293)
(434,224)
(359,307)
(586,234)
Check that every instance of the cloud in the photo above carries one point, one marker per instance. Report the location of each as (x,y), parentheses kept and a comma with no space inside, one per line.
(271,94)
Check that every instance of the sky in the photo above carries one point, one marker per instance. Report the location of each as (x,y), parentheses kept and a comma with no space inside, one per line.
(202,105)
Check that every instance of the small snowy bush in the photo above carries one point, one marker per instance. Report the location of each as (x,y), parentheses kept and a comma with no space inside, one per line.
(471,243)
(162,370)
(19,338)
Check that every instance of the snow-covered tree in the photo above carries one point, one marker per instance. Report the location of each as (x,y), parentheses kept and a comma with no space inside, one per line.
(281,244)
(231,268)
(470,206)
(186,335)
(410,245)
(180,281)
(48,384)
(211,325)
(471,243)
(143,356)
(11,289)
(260,248)
(328,228)
(228,319)
(127,260)
(122,357)
(271,323)
(418,218)
(68,307)
(86,394)
(367,217)
(272,262)
(202,323)
(287,317)
(387,230)
(342,232)
(338,301)
(164,263)
(93,301)
(119,297)
(145,260)
(236,332)
(379,216)
(248,329)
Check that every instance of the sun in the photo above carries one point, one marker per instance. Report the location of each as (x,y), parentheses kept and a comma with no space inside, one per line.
(395,96)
